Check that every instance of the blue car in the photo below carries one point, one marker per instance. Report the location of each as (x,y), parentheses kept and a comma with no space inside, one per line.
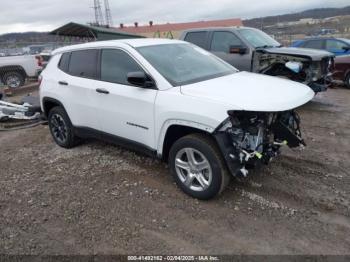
(337,46)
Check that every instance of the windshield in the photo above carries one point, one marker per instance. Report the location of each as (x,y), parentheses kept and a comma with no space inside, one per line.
(258,38)
(345,40)
(183,64)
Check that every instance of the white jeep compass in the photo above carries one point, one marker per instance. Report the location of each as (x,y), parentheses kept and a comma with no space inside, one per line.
(175,101)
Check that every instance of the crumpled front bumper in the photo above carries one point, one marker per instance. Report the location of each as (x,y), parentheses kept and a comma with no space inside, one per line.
(286,132)
(322,85)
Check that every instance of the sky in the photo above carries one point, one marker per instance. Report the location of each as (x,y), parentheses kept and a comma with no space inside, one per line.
(46,15)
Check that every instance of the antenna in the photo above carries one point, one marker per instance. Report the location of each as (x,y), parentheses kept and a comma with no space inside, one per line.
(98,13)
(109,20)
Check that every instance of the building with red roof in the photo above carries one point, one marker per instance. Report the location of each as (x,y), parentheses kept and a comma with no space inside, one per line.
(173,30)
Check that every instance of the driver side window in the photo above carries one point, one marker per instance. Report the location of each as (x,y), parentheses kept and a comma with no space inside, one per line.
(222,41)
(115,65)
(335,45)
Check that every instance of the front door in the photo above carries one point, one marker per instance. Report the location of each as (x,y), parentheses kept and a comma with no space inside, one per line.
(221,44)
(337,47)
(124,110)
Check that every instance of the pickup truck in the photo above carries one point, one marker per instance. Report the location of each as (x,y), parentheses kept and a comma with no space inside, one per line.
(249,49)
(14,70)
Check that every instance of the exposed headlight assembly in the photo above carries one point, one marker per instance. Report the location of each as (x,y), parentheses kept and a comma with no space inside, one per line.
(296,67)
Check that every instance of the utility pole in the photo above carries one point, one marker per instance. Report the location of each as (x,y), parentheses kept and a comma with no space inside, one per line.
(109,20)
(98,13)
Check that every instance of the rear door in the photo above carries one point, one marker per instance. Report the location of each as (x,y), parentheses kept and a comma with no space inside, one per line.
(221,43)
(124,110)
(77,83)
(199,38)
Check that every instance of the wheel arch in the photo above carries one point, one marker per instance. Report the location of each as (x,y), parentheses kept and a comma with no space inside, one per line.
(175,129)
(13,68)
(48,103)
(346,74)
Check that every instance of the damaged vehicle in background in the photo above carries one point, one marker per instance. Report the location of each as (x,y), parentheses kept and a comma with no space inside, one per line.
(205,118)
(250,49)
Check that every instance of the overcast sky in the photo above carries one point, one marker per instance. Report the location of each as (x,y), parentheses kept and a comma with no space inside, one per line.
(45,15)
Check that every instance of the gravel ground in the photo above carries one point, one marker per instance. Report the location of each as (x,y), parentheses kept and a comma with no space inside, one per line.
(101,199)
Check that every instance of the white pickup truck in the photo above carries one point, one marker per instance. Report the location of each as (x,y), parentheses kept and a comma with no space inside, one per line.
(15,69)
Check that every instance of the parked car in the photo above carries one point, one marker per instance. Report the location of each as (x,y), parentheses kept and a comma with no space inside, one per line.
(34,49)
(44,59)
(337,46)
(342,70)
(252,50)
(15,69)
(175,101)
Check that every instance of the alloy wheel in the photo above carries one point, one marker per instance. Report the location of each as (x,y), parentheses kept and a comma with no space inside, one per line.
(193,169)
(59,128)
(13,81)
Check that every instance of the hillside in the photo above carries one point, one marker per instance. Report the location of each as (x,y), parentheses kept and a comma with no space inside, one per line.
(319,13)
(26,38)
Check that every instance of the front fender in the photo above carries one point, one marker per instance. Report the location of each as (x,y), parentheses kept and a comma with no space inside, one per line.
(171,122)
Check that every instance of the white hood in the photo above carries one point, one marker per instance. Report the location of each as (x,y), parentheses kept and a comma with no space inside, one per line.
(252,92)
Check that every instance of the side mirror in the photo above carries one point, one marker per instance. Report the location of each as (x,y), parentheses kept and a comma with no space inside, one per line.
(238,50)
(346,48)
(140,79)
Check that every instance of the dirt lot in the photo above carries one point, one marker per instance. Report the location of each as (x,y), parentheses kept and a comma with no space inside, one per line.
(101,199)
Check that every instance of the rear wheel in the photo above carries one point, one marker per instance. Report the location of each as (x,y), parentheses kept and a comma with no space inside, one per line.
(61,128)
(198,167)
(13,79)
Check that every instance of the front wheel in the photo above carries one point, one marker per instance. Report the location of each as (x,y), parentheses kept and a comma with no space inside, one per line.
(347,81)
(198,167)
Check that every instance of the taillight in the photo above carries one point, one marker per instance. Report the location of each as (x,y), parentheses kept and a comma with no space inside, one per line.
(39,60)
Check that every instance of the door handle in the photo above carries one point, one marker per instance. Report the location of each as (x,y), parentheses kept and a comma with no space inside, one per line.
(102,91)
(63,83)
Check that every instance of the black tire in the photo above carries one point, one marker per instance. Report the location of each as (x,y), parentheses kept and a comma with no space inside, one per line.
(347,81)
(61,128)
(205,145)
(14,79)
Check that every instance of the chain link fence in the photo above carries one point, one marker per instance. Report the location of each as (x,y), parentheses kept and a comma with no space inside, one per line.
(16,47)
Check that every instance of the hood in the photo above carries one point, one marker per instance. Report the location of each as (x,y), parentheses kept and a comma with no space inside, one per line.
(252,92)
(314,54)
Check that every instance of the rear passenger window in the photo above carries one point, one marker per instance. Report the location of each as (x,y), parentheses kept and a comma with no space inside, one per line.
(83,63)
(115,65)
(197,38)
(314,44)
(64,62)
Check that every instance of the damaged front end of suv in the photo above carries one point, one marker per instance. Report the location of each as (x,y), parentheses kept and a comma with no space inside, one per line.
(310,67)
(249,139)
